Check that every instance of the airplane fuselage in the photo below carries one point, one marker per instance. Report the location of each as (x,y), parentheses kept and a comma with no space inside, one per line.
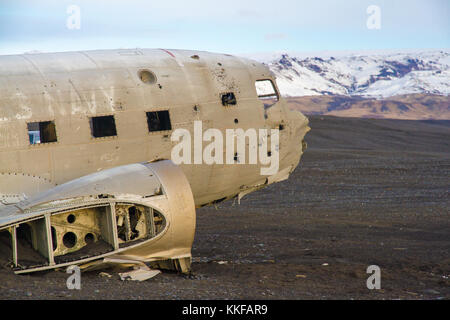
(97,110)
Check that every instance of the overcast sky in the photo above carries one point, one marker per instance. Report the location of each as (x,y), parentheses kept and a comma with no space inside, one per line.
(229,26)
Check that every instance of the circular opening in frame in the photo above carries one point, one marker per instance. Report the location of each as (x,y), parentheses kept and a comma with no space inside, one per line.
(147,77)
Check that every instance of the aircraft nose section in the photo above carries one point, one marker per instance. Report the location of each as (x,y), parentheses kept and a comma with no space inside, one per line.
(298,124)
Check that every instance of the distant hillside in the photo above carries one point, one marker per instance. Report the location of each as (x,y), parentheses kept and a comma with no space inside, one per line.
(412,106)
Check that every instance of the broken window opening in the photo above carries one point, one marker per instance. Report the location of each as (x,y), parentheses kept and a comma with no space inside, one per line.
(42,132)
(267,92)
(137,223)
(131,223)
(229,99)
(158,121)
(104,126)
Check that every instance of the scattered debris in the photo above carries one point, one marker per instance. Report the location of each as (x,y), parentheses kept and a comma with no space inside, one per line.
(222,262)
(140,273)
(300,276)
(325,264)
(271,261)
(105,275)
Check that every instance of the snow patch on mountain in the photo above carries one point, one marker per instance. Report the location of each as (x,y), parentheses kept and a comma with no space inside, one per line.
(371,75)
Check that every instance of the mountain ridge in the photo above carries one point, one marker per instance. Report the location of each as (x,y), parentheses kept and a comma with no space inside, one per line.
(376,76)
(409,84)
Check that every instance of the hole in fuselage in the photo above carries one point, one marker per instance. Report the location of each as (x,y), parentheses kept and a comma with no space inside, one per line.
(89,238)
(70,240)
(71,218)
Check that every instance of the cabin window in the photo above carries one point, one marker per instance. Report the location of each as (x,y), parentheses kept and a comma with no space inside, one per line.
(228,99)
(158,121)
(104,126)
(267,92)
(42,132)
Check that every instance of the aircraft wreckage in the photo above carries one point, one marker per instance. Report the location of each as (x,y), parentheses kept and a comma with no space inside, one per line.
(87,175)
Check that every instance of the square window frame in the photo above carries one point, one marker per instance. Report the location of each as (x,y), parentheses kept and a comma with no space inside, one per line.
(158,131)
(91,127)
(39,122)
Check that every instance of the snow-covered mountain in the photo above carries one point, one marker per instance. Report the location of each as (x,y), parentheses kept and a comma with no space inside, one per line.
(361,74)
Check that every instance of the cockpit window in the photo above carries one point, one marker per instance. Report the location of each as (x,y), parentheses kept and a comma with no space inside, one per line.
(266,92)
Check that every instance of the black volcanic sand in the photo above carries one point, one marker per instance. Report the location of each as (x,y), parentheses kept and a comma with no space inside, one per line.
(367,192)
